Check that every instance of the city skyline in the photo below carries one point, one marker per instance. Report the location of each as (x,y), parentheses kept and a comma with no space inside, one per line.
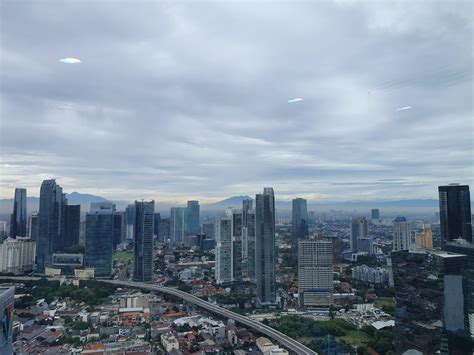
(225,73)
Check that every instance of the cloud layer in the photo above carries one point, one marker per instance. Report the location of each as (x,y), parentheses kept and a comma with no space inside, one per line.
(190,100)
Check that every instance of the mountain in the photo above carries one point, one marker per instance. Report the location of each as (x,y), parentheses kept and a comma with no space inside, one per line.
(235,201)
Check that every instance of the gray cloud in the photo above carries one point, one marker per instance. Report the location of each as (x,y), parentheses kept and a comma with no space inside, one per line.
(177,100)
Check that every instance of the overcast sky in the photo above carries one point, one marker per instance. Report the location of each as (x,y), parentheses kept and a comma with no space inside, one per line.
(190,100)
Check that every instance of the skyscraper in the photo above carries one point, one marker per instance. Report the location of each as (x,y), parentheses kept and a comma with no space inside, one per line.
(425,238)
(265,247)
(237,245)
(209,230)
(156,225)
(455,213)
(359,229)
(72,225)
(120,228)
(33,226)
(143,241)
(431,297)
(223,269)
(401,234)
(19,217)
(177,225)
(192,218)
(299,219)
(375,214)
(248,253)
(99,239)
(51,223)
(315,273)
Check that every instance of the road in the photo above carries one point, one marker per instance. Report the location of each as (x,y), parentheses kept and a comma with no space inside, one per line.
(281,338)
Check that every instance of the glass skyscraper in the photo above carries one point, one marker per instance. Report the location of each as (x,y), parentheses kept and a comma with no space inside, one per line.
(73,224)
(99,239)
(120,228)
(177,225)
(192,218)
(265,247)
(455,213)
(51,223)
(19,216)
(143,241)
(299,219)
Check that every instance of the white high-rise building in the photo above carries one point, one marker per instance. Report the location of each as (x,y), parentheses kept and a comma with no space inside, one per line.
(223,269)
(17,255)
(401,234)
(315,273)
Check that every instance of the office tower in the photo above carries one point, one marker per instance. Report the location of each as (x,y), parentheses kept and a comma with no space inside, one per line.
(143,241)
(17,256)
(265,247)
(247,205)
(130,216)
(7,295)
(315,273)
(120,229)
(401,234)
(72,225)
(156,224)
(51,223)
(223,269)
(455,213)
(209,230)
(299,219)
(177,225)
(19,217)
(425,238)
(82,234)
(33,226)
(359,229)
(365,245)
(248,235)
(192,218)
(431,298)
(164,229)
(312,217)
(460,246)
(237,244)
(100,239)
(375,214)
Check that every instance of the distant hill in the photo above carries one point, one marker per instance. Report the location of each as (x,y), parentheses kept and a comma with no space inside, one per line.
(235,201)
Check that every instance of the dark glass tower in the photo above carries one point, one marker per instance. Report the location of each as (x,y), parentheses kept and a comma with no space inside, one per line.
(51,223)
(265,247)
(455,213)
(192,218)
(143,241)
(299,219)
(19,217)
(375,214)
(431,302)
(157,225)
(120,228)
(73,225)
(99,240)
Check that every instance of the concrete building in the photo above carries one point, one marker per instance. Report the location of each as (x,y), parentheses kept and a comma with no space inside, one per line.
(7,295)
(359,229)
(17,256)
(143,241)
(265,247)
(401,234)
(223,268)
(425,238)
(315,273)
(373,275)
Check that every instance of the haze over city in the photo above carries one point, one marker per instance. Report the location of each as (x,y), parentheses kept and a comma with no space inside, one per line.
(197,100)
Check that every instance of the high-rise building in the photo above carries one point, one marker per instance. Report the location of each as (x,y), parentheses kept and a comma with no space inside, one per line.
(248,254)
(223,268)
(461,246)
(237,244)
(120,228)
(192,218)
(156,225)
(401,234)
(72,225)
(17,256)
(129,217)
(51,223)
(143,241)
(177,225)
(299,219)
(455,213)
(431,302)
(359,229)
(33,226)
(209,230)
(7,296)
(425,238)
(164,229)
(265,247)
(3,230)
(100,239)
(375,214)
(247,205)
(19,217)
(315,273)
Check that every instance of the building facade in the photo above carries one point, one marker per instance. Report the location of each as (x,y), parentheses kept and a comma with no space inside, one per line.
(265,247)
(72,225)
(425,238)
(359,229)
(120,229)
(223,268)
(299,219)
(375,214)
(401,234)
(315,273)
(455,212)
(33,226)
(17,256)
(19,216)
(192,218)
(177,225)
(7,295)
(143,241)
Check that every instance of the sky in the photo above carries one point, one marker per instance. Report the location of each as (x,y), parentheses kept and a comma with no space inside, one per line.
(179,100)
